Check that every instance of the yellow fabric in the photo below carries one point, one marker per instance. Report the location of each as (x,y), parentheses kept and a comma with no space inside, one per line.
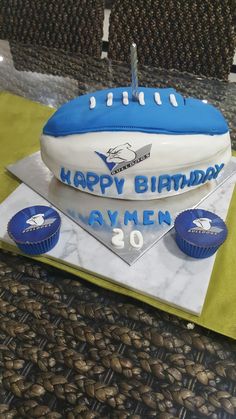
(21,124)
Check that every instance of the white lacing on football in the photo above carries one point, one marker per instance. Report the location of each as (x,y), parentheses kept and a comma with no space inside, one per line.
(173,100)
(157,97)
(125,98)
(92,102)
(110,99)
(141,98)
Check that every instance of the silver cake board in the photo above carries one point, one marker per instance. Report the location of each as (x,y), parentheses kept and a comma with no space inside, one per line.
(78,205)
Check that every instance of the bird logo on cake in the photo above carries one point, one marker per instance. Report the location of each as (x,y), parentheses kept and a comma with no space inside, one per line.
(121,153)
(204,226)
(37,222)
(122,157)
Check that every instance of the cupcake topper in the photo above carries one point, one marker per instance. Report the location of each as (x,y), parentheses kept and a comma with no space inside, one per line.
(134,71)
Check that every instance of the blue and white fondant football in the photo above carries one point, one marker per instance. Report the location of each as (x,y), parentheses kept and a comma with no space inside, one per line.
(163,144)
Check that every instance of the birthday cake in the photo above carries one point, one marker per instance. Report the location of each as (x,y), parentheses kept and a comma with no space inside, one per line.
(107,144)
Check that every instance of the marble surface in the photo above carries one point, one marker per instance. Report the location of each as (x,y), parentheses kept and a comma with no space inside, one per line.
(164,272)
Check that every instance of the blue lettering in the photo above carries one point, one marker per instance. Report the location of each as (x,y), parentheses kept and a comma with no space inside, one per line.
(113,217)
(192,179)
(164,182)
(141,184)
(79,180)
(95,217)
(146,217)
(218,169)
(105,182)
(184,182)
(65,176)
(176,178)
(119,185)
(209,174)
(199,177)
(92,180)
(131,216)
(164,217)
(153,183)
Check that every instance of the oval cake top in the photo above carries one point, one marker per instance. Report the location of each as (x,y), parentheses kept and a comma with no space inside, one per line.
(156,111)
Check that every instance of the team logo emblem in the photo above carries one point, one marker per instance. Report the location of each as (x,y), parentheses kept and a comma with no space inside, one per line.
(122,157)
(37,222)
(204,225)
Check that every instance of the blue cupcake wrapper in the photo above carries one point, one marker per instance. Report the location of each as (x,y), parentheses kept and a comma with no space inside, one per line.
(40,247)
(193,250)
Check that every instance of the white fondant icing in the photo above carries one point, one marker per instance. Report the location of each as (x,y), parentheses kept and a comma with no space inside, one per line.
(136,239)
(173,100)
(170,154)
(125,98)
(118,239)
(92,102)
(157,97)
(110,99)
(141,98)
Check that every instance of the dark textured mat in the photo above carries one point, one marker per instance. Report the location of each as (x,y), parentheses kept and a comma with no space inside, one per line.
(70,350)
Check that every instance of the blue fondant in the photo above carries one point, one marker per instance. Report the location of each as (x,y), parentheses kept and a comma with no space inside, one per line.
(141,184)
(164,217)
(79,180)
(65,176)
(92,180)
(164,183)
(153,183)
(113,217)
(119,185)
(192,116)
(105,182)
(185,182)
(146,217)
(176,179)
(191,178)
(199,177)
(218,169)
(210,172)
(95,216)
(131,216)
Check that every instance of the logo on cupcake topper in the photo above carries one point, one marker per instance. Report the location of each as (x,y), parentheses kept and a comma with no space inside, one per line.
(204,226)
(37,222)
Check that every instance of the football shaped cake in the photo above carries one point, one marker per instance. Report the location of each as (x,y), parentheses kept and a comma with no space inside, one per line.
(162,144)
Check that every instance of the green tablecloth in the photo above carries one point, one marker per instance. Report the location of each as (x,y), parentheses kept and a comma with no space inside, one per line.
(21,124)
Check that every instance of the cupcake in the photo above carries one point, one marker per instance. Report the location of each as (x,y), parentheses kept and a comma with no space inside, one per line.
(199,233)
(35,230)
